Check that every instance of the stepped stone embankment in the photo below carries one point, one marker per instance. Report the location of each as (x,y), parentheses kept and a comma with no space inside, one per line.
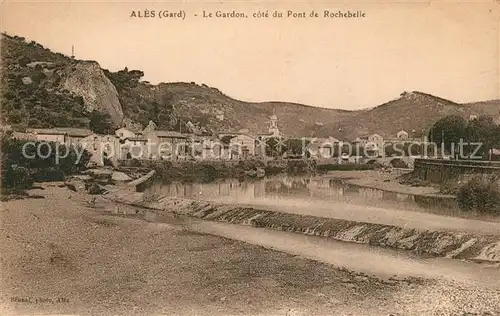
(456,245)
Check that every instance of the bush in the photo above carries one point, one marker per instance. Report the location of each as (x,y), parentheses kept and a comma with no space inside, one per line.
(16,179)
(398,163)
(480,195)
(208,173)
(19,171)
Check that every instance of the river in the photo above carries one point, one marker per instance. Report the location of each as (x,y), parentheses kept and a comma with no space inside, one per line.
(310,192)
(324,196)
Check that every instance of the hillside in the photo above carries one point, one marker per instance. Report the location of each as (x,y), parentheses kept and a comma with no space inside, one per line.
(213,110)
(45,89)
(189,106)
(30,91)
(41,88)
(414,112)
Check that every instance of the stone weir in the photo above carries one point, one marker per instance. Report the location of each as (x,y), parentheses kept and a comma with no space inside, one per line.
(423,242)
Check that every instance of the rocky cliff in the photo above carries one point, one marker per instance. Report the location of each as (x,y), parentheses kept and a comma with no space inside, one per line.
(87,79)
(41,88)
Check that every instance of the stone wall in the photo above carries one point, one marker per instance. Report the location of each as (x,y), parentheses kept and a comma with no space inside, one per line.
(440,171)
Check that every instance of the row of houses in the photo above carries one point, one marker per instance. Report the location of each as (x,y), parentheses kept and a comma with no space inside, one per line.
(151,143)
(376,142)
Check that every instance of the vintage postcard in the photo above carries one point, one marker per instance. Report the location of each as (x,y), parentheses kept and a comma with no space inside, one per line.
(288,158)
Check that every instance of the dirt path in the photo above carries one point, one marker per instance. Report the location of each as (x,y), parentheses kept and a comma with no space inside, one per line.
(61,257)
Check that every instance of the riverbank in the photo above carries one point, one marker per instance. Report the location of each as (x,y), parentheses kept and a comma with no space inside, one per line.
(387,181)
(67,254)
(452,237)
(60,248)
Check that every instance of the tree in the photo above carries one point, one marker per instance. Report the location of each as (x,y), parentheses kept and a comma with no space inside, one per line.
(101,123)
(484,130)
(297,147)
(275,147)
(449,131)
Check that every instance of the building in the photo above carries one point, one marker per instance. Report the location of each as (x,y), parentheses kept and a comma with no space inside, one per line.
(211,148)
(374,138)
(273,129)
(402,135)
(219,115)
(125,132)
(324,148)
(64,135)
(102,146)
(237,145)
(244,144)
(168,145)
(373,142)
(76,135)
(171,139)
(134,147)
(273,126)
(48,135)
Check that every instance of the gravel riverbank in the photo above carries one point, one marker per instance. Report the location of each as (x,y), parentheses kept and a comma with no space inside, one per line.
(65,254)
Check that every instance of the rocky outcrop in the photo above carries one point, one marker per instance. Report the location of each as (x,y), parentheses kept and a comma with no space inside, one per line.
(87,80)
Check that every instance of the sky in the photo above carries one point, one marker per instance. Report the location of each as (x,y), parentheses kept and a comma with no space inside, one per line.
(443,48)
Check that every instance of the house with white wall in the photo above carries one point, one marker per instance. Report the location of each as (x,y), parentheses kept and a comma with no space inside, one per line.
(124,132)
(48,135)
(63,135)
(402,135)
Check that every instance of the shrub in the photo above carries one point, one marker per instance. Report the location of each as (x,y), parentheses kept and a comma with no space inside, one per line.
(398,163)
(19,171)
(208,173)
(16,179)
(480,195)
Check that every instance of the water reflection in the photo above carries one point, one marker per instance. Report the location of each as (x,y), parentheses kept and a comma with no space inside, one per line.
(290,188)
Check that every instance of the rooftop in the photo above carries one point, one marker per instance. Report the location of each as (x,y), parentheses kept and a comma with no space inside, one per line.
(70,131)
(137,139)
(171,134)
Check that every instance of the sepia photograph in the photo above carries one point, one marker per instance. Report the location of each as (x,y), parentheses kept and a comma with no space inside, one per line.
(250,158)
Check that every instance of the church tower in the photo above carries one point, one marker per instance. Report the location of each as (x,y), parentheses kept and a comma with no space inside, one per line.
(273,127)
(150,128)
